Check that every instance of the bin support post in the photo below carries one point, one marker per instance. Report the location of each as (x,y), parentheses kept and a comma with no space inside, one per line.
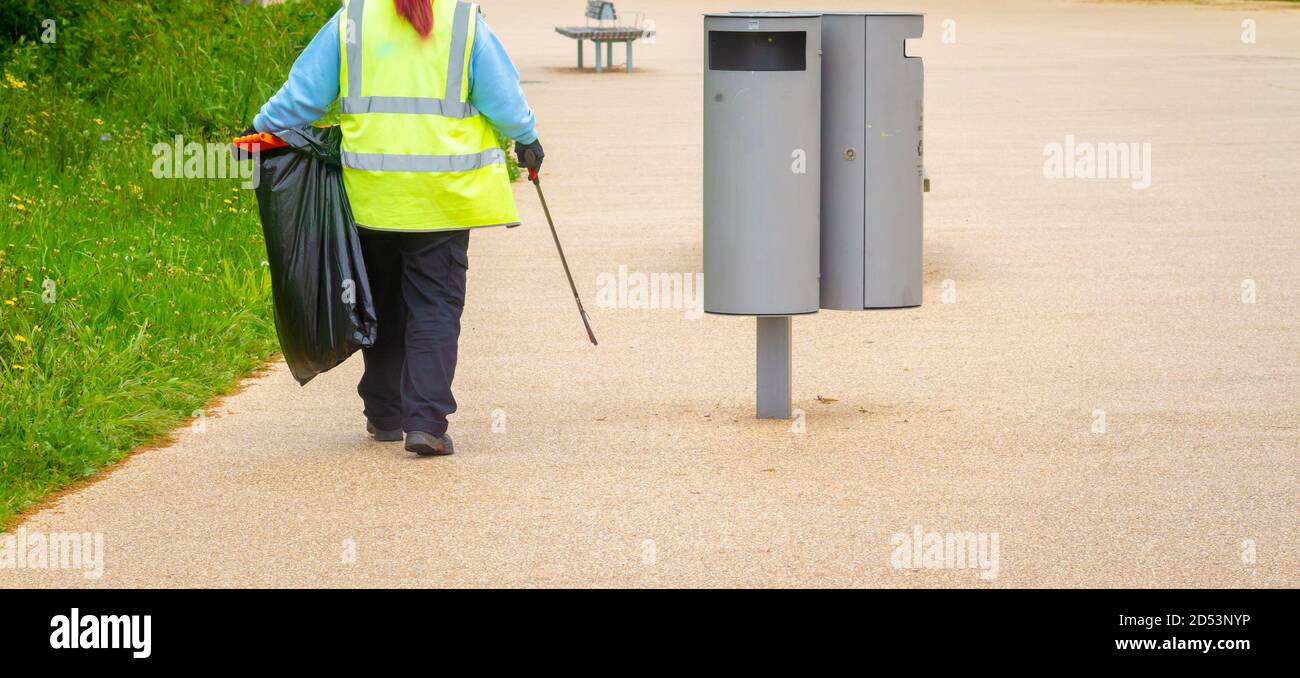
(774,367)
(599,67)
(579,53)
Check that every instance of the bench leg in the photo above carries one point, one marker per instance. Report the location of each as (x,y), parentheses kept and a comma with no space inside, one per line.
(599,67)
(579,53)
(629,56)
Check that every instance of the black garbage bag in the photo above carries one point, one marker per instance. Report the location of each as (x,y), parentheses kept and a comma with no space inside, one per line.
(323,308)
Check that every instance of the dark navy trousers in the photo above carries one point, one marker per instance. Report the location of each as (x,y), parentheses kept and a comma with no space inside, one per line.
(418,284)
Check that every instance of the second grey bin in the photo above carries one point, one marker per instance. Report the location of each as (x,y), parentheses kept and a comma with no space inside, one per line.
(872,161)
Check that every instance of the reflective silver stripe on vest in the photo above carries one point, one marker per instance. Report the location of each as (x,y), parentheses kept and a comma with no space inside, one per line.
(446,229)
(443,107)
(459,36)
(352,37)
(390,162)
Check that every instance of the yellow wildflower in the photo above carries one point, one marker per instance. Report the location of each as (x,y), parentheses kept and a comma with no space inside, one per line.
(16,366)
(20,338)
(21,207)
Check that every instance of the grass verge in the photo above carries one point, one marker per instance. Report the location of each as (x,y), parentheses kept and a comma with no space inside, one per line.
(126,301)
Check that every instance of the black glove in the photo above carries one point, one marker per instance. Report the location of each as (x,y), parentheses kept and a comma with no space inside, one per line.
(530,155)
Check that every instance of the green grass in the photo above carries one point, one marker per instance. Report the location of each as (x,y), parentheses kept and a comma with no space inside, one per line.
(159,298)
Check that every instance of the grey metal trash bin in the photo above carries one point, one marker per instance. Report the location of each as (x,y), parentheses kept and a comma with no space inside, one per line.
(842,231)
(872,161)
(762,163)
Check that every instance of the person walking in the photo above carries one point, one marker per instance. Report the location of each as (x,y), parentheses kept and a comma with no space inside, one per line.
(421,86)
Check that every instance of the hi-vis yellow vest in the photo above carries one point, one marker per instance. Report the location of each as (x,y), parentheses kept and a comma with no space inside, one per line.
(417,155)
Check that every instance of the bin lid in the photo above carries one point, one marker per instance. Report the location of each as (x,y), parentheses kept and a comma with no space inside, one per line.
(764,15)
(873,13)
(803,15)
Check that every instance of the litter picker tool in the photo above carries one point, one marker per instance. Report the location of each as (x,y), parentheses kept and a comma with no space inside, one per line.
(532,176)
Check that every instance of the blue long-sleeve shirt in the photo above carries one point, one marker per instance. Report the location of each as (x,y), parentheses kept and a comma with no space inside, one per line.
(313,85)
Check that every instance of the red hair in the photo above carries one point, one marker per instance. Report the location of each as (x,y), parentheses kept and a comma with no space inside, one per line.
(419,13)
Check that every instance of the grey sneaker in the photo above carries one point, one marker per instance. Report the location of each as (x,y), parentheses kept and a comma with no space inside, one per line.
(428,445)
(383,436)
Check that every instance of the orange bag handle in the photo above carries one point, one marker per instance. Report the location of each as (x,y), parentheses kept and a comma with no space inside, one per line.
(259,142)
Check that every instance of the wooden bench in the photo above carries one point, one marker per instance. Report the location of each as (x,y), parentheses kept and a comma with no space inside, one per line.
(607,30)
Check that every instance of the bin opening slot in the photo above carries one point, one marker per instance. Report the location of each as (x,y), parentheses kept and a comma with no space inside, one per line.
(758,50)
